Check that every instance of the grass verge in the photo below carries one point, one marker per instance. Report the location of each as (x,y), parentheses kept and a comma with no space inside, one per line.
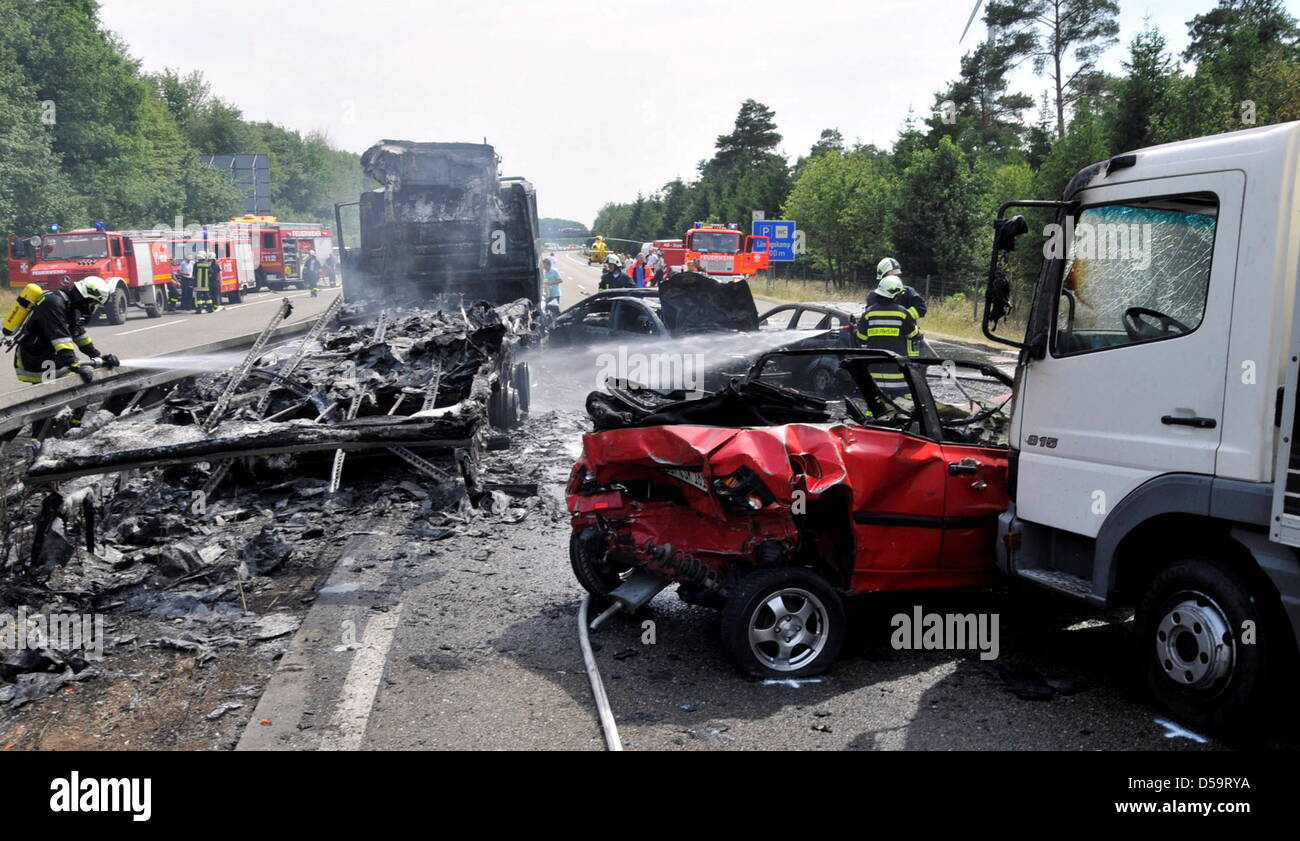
(944,318)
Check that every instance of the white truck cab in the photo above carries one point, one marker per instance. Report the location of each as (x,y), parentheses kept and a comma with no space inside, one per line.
(1155,408)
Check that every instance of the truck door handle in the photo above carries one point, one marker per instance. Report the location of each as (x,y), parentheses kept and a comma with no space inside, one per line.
(966,465)
(1199,423)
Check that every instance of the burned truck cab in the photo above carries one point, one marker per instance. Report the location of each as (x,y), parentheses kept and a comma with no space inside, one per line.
(443,227)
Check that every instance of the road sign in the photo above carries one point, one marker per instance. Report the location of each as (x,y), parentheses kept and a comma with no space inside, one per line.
(781,233)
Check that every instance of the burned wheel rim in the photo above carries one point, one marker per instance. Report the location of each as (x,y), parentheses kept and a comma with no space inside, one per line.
(1194,644)
(788,629)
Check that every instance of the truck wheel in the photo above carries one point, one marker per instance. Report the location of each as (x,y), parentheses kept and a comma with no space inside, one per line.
(524,385)
(503,405)
(1196,657)
(275,286)
(596,578)
(783,623)
(115,306)
(236,296)
(154,307)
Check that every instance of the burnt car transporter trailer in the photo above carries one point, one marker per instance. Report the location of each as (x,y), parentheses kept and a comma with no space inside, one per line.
(444,231)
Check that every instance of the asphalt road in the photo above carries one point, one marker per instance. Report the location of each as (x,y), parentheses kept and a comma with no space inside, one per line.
(142,336)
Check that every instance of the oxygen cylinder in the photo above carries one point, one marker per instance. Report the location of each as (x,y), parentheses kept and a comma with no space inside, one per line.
(22,308)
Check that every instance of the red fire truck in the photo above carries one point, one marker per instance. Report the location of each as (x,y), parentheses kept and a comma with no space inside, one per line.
(138,265)
(719,250)
(282,246)
(234,253)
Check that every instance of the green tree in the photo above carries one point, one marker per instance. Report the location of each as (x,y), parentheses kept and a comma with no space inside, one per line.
(34,192)
(977,111)
(1054,33)
(843,204)
(1087,142)
(936,222)
(1140,97)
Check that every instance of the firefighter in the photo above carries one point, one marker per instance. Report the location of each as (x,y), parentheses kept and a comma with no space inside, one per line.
(207,283)
(311,272)
(910,298)
(888,324)
(616,279)
(48,340)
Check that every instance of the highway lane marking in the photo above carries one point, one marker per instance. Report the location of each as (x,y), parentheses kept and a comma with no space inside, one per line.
(183,320)
(266,300)
(152,327)
(352,716)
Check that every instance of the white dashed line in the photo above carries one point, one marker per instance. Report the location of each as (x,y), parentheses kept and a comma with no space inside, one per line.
(152,327)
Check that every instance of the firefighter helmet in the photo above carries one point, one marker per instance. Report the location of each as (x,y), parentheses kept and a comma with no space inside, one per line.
(889,287)
(93,289)
(885,266)
(614,261)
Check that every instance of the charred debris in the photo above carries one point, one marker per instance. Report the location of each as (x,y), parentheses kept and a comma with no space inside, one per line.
(177,517)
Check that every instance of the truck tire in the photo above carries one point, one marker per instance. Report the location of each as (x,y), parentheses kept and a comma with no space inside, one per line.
(275,285)
(236,296)
(524,385)
(115,306)
(781,623)
(1194,655)
(153,308)
(503,405)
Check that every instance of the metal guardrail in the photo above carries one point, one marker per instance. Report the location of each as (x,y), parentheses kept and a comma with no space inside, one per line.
(45,399)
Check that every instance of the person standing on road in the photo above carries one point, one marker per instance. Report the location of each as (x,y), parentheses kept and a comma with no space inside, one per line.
(656,264)
(185,275)
(553,279)
(888,324)
(639,273)
(909,297)
(616,278)
(311,272)
(207,283)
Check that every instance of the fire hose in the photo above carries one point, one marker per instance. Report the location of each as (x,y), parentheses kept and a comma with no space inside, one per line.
(607,724)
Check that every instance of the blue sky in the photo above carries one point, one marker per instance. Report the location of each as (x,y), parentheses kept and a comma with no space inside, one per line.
(593,101)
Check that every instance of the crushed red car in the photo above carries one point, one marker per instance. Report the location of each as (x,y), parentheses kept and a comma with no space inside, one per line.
(773,504)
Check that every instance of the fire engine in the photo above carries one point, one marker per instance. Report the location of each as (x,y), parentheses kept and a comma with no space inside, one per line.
(281,247)
(718,249)
(233,247)
(136,265)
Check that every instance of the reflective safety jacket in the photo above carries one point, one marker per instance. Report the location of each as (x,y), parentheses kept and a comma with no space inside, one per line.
(207,276)
(888,326)
(909,298)
(51,337)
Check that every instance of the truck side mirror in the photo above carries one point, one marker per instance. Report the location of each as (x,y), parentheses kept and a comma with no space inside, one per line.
(1006,232)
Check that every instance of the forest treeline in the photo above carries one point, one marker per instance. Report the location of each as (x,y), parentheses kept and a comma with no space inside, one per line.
(929,199)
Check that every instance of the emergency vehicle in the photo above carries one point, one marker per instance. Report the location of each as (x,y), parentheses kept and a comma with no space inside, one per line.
(234,253)
(281,247)
(136,265)
(722,250)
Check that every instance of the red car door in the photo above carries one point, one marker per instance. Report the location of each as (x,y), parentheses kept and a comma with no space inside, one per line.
(976,481)
(898,483)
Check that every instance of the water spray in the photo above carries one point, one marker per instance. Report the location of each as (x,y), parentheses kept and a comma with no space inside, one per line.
(218,361)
